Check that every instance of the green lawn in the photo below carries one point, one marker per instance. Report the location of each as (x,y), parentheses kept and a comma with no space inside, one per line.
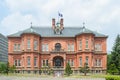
(71,76)
(92,76)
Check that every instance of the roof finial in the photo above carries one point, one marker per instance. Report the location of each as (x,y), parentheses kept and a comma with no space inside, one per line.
(83,24)
(31,24)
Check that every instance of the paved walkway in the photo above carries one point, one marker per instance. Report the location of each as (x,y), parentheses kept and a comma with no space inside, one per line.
(39,78)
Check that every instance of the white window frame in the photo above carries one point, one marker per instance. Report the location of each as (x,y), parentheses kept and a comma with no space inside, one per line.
(87,44)
(28,61)
(35,45)
(35,61)
(80,61)
(87,60)
(98,47)
(45,47)
(28,44)
(80,45)
(70,47)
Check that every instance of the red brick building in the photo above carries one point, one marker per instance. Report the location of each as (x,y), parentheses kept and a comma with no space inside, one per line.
(31,49)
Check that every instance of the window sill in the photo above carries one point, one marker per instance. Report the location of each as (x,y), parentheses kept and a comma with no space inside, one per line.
(35,66)
(28,66)
(86,49)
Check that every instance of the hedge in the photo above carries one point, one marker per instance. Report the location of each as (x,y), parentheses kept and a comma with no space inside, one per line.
(112,78)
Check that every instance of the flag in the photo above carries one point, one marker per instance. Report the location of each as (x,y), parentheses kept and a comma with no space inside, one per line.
(59,14)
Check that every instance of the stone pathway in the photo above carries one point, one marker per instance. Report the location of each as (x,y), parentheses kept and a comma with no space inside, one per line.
(49,78)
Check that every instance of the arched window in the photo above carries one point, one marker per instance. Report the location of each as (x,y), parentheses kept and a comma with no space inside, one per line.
(57,46)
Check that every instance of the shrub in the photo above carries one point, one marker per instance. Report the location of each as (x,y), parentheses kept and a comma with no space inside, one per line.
(68,70)
(112,78)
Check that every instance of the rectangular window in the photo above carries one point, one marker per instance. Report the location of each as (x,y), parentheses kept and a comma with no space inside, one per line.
(69,61)
(45,47)
(96,62)
(46,62)
(35,61)
(28,61)
(87,44)
(80,61)
(18,47)
(87,59)
(28,44)
(43,63)
(72,62)
(35,45)
(23,44)
(98,47)
(92,44)
(15,62)
(80,45)
(19,62)
(70,47)
(15,47)
(99,64)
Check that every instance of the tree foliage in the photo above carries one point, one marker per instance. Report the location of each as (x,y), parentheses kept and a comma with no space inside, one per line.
(115,56)
(6,68)
(68,70)
(85,69)
(113,69)
(3,67)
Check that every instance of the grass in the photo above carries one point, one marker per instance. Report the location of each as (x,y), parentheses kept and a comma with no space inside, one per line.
(71,76)
(91,76)
(27,75)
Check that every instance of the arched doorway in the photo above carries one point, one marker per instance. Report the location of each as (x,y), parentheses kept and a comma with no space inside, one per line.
(58,61)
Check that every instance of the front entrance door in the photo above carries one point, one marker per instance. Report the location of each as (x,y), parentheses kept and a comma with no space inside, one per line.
(58,61)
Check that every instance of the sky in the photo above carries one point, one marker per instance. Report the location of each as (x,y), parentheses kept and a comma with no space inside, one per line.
(102,16)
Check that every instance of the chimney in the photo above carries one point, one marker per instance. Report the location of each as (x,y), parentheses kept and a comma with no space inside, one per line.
(61,23)
(53,23)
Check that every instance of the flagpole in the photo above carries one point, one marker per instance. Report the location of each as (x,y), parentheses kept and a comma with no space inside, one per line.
(58,16)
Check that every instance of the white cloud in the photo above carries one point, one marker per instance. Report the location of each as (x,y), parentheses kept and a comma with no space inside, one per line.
(99,15)
(17,21)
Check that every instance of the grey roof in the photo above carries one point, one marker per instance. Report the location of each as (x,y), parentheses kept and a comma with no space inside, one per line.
(49,32)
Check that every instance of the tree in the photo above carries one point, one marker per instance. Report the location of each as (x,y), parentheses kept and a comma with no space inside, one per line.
(85,69)
(68,70)
(108,62)
(12,69)
(113,69)
(115,54)
(5,68)
(2,67)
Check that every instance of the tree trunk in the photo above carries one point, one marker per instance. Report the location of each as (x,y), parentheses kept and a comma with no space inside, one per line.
(85,74)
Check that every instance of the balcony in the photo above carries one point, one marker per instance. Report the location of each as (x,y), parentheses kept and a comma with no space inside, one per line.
(57,51)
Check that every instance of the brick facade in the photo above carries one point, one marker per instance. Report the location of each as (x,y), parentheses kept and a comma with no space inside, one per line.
(30,56)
